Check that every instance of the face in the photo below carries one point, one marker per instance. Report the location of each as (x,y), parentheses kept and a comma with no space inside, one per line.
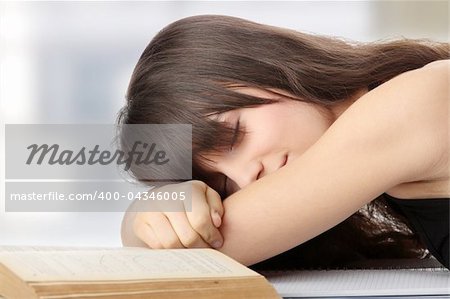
(276,135)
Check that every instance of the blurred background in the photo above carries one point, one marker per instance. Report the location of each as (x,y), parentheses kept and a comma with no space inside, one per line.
(70,62)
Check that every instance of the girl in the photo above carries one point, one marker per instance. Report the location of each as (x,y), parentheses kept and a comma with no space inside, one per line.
(336,147)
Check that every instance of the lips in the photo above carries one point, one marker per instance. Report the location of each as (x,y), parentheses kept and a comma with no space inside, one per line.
(285,159)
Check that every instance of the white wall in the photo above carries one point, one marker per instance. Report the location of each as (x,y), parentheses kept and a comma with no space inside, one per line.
(70,62)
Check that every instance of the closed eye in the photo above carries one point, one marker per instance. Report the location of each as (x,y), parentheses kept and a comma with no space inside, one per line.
(233,141)
(235,134)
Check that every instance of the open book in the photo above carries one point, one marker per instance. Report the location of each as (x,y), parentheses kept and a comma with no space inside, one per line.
(40,272)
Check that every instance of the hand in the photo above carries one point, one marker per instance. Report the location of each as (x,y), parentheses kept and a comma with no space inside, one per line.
(160,229)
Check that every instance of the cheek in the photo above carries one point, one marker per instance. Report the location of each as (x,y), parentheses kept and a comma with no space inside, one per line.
(273,125)
(299,125)
(308,127)
(280,127)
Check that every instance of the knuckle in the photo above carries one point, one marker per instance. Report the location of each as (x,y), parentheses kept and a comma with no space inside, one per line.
(190,240)
(197,183)
(202,225)
(141,216)
(214,193)
(173,243)
(207,235)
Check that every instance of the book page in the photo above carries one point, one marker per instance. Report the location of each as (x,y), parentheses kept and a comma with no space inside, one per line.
(322,283)
(119,264)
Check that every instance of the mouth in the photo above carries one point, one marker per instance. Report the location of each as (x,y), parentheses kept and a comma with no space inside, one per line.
(285,159)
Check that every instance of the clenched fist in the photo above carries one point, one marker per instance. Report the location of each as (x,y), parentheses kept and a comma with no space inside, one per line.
(184,229)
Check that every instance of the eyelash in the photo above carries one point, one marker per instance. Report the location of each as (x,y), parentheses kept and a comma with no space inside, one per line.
(235,135)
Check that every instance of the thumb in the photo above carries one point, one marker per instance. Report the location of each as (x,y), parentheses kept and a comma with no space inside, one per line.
(215,205)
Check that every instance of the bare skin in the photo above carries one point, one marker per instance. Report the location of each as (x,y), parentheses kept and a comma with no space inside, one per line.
(393,139)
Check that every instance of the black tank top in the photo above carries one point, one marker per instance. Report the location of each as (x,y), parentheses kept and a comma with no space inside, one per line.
(429,218)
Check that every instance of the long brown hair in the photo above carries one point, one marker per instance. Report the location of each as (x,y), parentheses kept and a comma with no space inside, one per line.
(185,74)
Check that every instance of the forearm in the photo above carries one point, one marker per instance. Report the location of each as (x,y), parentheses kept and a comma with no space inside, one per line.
(279,212)
(250,231)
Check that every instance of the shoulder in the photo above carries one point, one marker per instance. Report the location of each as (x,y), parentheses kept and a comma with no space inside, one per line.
(413,84)
(443,65)
(433,76)
(431,103)
(423,105)
(420,96)
(409,112)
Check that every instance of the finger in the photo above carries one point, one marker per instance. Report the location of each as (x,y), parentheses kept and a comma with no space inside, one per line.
(187,235)
(164,231)
(145,233)
(201,222)
(215,204)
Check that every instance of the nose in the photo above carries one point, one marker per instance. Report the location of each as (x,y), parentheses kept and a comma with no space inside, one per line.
(242,173)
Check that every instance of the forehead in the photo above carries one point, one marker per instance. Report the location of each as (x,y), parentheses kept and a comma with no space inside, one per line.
(270,93)
(266,93)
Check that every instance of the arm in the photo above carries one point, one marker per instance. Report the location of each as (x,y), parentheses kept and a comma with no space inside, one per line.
(394,134)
